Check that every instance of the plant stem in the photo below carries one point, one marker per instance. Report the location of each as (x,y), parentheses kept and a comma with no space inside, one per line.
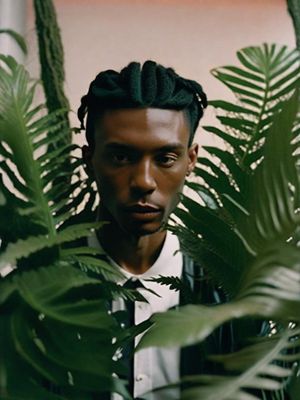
(52,61)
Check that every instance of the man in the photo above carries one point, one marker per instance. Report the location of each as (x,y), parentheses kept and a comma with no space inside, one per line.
(140,127)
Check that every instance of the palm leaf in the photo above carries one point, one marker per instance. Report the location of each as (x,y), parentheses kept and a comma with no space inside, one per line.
(261,364)
(267,75)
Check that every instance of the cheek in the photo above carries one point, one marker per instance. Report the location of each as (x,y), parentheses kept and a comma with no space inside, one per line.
(173,183)
(110,186)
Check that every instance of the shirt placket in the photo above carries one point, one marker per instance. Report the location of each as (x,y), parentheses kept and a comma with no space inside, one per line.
(143,375)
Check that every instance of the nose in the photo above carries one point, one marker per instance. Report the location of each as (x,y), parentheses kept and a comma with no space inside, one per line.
(142,178)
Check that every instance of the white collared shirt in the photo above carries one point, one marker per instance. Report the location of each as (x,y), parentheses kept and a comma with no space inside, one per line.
(154,367)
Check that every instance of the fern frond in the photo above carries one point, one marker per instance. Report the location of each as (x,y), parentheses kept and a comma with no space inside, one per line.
(23,248)
(267,75)
(98,266)
(260,366)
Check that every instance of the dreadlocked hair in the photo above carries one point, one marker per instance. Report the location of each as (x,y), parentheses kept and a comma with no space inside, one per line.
(151,85)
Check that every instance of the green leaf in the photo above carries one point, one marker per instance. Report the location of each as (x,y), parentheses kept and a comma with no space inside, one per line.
(168,329)
(206,195)
(273,72)
(247,93)
(62,320)
(262,372)
(223,178)
(12,368)
(98,266)
(23,248)
(274,279)
(231,162)
(293,75)
(18,185)
(269,290)
(175,283)
(205,256)
(16,96)
(232,107)
(224,77)
(271,205)
(247,63)
(244,73)
(233,141)
(283,64)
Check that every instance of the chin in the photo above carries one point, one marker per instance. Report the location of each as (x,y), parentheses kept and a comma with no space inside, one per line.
(147,232)
(143,230)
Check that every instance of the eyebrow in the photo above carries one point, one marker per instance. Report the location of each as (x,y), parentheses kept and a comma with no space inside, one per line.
(124,146)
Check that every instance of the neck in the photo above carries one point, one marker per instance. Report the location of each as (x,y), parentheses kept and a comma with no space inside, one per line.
(135,254)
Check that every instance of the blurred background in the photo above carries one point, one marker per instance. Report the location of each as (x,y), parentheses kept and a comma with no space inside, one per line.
(192,36)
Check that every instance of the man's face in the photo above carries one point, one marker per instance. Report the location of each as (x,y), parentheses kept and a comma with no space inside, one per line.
(139,162)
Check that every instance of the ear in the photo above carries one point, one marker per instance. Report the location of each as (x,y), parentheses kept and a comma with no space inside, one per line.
(87,155)
(193,155)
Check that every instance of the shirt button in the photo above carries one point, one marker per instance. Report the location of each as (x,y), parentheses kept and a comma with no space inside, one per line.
(140,377)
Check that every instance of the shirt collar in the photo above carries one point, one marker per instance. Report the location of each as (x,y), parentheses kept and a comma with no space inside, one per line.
(168,263)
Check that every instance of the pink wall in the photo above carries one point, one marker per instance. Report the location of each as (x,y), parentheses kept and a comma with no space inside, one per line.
(192,36)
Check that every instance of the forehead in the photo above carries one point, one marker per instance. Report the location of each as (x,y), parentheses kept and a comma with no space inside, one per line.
(142,127)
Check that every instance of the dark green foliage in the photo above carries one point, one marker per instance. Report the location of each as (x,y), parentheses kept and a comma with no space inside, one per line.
(54,314)
(174,283)
(54,305)
(55,322)
(243,232)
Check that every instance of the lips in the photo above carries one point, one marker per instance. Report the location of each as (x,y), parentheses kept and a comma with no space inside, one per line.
(143,211)
(143,208)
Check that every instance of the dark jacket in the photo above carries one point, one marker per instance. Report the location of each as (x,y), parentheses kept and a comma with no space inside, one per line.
(226,339)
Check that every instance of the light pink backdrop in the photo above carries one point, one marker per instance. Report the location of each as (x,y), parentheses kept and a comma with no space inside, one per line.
(192,36)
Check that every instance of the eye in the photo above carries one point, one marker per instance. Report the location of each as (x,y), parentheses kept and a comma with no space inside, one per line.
(167,160)
(120,158)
